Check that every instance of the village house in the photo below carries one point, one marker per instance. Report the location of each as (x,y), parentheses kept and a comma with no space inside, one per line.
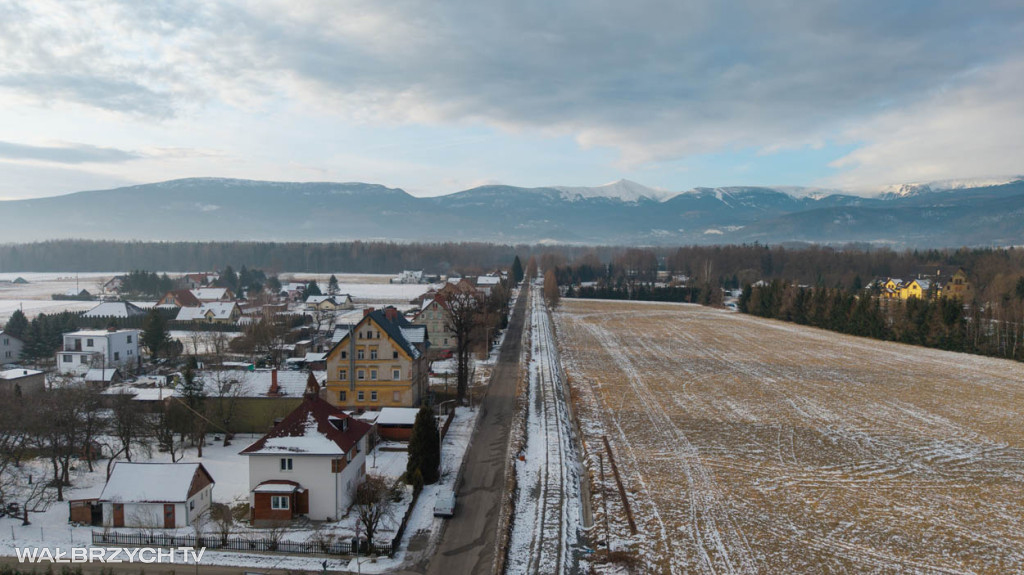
(211,312)
(196,281)
(179,298)
(156,495)
(920,289)
(21,382)
(433,316)
(378,362)
(109,348)
(958,286)
(254,399)
(10,348)
(309,464)
(328,302)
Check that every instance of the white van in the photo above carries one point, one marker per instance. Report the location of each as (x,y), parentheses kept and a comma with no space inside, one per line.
(444,506)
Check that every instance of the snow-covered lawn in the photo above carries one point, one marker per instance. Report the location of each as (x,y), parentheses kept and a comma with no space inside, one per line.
(753,446)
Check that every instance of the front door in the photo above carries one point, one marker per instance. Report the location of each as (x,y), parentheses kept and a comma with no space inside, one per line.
(118,515)
(169,516)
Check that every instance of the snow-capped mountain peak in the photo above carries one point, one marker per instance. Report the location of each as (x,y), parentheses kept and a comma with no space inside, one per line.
(625,190)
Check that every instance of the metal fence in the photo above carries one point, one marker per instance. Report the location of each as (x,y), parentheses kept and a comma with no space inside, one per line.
(142,539)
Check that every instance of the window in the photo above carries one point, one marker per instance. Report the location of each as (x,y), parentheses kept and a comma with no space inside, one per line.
(362,397)
(191,505)
(373,353)
(88,342)
(286,465)
(67,358)
(342,396)
(83,359)
(359,354)
(117,356)
(394,355)
(373,374)
(396,396)
(348,456)
(337,465)
(373,396)
(344,355)
(360,375)
(343,375)
(129,339)
(279,502)
(396,374)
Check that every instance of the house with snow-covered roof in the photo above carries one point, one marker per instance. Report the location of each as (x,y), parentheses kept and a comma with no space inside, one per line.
(380,361)
(328,302)
(115,309)
(309,464)
(211,312)
(156,495)
(89,348)
(213,294)
(433,316)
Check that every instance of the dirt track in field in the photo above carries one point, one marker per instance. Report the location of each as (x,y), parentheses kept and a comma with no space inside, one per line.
(755,446)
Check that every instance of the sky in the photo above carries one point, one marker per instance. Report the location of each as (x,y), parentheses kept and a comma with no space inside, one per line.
(437,97)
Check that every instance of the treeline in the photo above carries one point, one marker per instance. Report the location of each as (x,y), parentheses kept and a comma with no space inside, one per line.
(994,330)
(146,284)
(704,295)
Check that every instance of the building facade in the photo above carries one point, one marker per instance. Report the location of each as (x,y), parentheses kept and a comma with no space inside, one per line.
(102,349)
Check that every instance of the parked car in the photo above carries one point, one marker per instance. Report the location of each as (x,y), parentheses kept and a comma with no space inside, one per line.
(444,506)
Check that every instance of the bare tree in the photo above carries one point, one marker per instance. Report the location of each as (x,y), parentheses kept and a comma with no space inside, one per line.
(223,520)
(165,435)
(462,305)
(374,501)
(130,430)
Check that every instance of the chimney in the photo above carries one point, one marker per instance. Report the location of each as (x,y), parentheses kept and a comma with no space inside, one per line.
(391,313)
(275,391)
(367,311)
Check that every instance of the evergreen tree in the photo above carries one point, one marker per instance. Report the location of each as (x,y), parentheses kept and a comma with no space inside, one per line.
(17,325)
(517,271)
(332,285)
(312,289)
(424,448)
(154,333)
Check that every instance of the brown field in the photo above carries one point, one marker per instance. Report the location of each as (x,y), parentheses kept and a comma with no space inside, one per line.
(755,446)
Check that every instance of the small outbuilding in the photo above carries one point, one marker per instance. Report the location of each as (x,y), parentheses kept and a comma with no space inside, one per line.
(156,495)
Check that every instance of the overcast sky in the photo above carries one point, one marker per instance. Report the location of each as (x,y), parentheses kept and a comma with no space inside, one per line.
(436,97)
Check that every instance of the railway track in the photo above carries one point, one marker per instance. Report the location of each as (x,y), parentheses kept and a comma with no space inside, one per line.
(548,509)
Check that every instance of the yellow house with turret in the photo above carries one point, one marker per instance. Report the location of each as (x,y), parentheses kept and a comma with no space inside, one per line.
(379,363)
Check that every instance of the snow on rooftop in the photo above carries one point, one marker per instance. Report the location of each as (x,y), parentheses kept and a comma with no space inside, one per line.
(16,373)
(397,416)
(311,442)
(152,482)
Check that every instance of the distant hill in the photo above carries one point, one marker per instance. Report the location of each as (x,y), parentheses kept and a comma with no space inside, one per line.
(619,213)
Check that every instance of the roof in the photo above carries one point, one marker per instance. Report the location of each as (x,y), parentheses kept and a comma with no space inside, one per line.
(397,416)
(97,374)
(255,383)
(488,280)
(220,310)
(313,428)
(317,299)
(10,335)
(209,294)
(394,329)
(18,373)
(98,332)
(151,482)
(185,297)
(115,309)
(415,333)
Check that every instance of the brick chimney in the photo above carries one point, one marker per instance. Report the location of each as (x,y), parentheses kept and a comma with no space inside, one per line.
(275,391)
(391,313)
(367,311)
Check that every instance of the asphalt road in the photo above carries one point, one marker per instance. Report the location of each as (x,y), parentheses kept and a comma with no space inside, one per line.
(469,539)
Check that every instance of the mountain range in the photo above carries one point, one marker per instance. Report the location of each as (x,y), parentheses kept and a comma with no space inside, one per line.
(934,215)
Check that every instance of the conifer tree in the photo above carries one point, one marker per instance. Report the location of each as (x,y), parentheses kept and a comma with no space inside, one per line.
(424,448)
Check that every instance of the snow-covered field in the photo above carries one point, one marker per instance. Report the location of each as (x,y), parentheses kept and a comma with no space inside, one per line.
(754,446)
(546,527)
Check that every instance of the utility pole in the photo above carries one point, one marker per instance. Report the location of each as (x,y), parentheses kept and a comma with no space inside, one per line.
(604,500)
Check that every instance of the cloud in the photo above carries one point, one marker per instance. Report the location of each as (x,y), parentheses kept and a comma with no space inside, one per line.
(655,81)
(65,154)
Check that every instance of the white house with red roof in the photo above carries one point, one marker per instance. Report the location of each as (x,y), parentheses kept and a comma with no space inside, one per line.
(309,464)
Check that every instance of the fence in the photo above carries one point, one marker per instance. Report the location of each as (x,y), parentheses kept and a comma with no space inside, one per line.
(350,547)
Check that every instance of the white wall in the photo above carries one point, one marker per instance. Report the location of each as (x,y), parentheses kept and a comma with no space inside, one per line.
(330,494)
